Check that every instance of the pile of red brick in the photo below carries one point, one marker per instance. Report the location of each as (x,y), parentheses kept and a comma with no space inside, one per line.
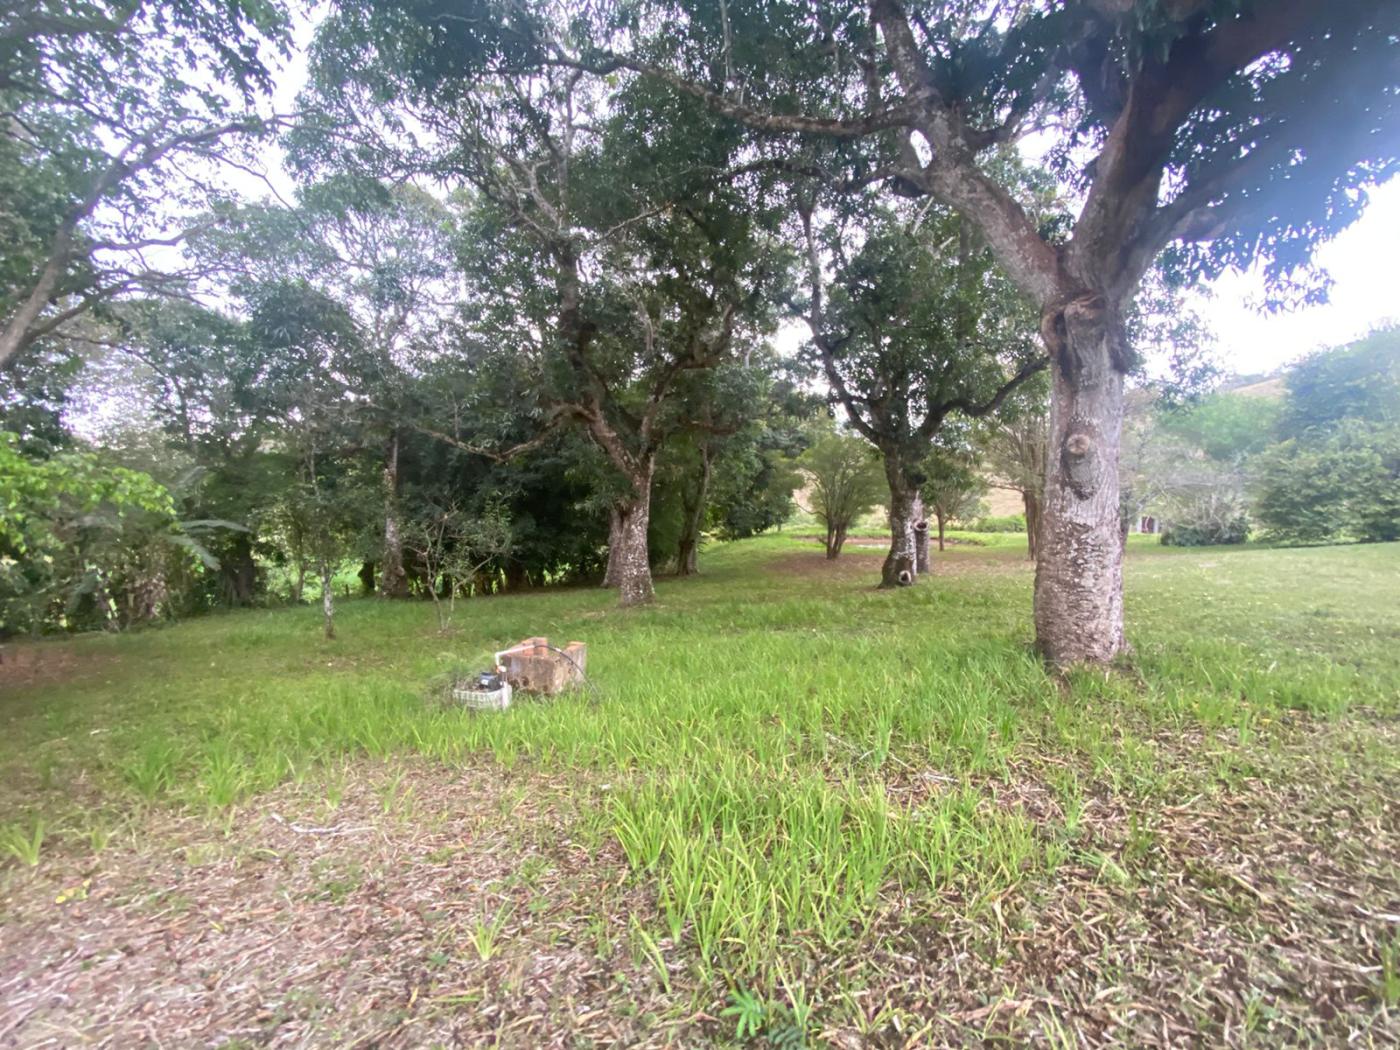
(535,667)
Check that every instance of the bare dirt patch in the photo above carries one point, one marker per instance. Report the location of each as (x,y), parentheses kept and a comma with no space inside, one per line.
(46,662)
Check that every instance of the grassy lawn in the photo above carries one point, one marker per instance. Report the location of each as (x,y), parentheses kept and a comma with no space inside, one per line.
(794,807)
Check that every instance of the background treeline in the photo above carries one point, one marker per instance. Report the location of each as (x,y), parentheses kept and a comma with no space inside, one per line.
(1311,457)
(515,324)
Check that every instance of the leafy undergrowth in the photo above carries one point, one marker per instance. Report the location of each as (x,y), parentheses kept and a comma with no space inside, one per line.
(797,809)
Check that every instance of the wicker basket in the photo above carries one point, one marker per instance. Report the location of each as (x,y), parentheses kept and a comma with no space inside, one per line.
(470,693)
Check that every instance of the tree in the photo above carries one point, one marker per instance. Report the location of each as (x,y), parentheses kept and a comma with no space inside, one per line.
(452,548)
(1014,445)
(916,327)
(1189,465)
(384,253)
(720,413)
(1337,469)
(35,389)
(1218,132)
(1305,486)
(108,109)
(315,348)
(952,488)
(754,474)
(555,490)
(1228,427)
(214,389)
(606,276)
(844,481)
(1358,381)
(84,542)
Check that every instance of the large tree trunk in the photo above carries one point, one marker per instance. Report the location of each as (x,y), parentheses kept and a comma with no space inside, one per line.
(1031,500)
(327,599)
(695,501)
(366,575)
(923,564)
(632,560)
(1079,564)
(687,554)
(240,571)
(517,576)
(393,580)
(900,568)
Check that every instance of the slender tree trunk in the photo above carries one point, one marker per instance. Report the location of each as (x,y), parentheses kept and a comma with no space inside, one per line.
(1032,505)
(612,576)
(327,598)
(434,592)
(1127,512)
(687,555)
(923,564)
(835,540)
(900,568)
(1079,563)
(633,563)
(393,580)
(16,333)
(300,585)
(942,525)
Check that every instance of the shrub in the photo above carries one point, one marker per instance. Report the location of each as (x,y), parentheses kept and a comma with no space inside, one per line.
(85,543)
(1206,533)
(845,482)
(1006,523)
(1345,481)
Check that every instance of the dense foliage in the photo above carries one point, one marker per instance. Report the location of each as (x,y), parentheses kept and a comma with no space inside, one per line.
(85,543)
(844,480)
(1336,473)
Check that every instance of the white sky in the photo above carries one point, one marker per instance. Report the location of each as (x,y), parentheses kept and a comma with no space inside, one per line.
(1365,293)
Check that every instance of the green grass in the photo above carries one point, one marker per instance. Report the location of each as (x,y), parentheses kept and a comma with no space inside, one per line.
(778,748)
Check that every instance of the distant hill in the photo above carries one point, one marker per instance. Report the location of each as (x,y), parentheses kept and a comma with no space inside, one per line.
(1271,387)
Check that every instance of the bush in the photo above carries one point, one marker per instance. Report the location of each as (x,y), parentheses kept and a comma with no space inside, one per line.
(845,482)
(1007,523)
(86,544)
(1206,533)
(1334,483)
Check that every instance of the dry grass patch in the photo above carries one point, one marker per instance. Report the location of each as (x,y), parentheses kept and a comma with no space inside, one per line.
(391,905)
